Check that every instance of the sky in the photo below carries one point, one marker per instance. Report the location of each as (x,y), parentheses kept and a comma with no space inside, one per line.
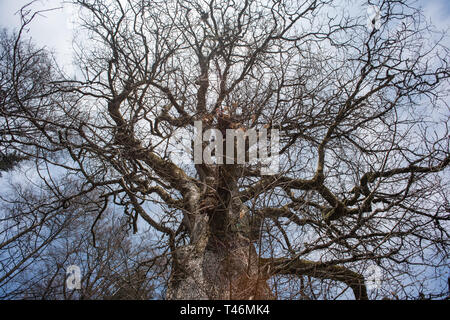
(53,29)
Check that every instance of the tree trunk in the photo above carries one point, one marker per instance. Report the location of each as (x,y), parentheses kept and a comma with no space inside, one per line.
(218,269)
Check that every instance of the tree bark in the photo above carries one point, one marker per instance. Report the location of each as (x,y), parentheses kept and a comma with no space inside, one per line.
(216,268)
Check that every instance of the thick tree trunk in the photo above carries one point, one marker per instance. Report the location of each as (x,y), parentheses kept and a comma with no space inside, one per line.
(218,269)
(221,261)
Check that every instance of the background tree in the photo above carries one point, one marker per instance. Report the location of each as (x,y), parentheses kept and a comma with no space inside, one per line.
(362,115)
(41,239)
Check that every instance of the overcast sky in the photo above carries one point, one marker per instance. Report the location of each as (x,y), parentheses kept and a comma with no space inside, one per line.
(53,28)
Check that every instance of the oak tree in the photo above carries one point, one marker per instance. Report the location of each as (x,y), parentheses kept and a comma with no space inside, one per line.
(360,107)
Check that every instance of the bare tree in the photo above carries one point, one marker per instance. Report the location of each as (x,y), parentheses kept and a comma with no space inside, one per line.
(41,240)
(362,119)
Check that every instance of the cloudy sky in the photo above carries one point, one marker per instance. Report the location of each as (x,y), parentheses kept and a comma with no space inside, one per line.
(53,28)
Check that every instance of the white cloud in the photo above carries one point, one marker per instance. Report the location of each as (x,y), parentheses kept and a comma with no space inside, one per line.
(51,29)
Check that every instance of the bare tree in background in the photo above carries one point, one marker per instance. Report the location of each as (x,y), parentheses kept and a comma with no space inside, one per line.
(362,116)
(40,240)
